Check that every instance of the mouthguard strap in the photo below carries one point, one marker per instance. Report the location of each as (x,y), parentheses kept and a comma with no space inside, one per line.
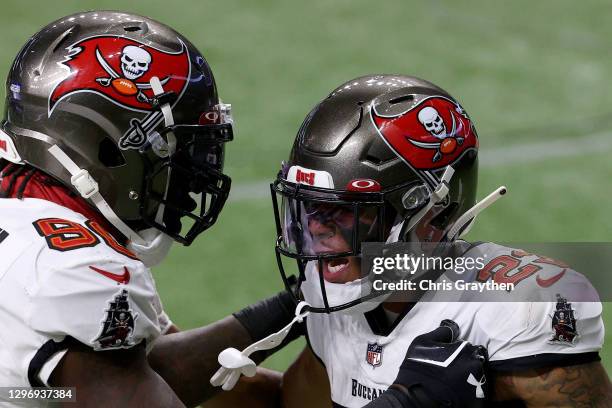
(235,363)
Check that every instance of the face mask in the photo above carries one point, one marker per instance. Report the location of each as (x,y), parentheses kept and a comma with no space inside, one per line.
(155,248)
(338,293)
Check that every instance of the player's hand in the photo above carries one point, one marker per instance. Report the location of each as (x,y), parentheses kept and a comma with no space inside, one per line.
(442,370)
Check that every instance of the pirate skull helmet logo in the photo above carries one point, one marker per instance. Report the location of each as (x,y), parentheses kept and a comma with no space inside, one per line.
(134,62)
(432,121)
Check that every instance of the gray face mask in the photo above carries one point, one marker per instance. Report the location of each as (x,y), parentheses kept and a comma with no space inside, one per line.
(154,249)
(339,293)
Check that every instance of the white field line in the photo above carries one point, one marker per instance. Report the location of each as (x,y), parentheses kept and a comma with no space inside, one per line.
(499,157)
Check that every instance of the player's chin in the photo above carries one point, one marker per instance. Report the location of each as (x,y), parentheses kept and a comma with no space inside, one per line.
(341,270)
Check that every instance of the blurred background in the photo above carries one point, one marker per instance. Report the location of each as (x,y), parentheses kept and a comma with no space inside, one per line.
(532,75)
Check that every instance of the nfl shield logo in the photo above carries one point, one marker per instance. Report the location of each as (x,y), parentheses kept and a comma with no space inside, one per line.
(374,354)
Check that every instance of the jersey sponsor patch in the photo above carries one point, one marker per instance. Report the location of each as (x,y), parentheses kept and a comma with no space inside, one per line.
(563,323)
(118,324)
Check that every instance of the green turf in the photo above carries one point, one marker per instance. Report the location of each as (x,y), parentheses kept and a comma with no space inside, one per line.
(514,64)
(526,71)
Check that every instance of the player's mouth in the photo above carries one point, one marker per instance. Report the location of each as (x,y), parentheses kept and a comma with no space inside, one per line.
(336,270)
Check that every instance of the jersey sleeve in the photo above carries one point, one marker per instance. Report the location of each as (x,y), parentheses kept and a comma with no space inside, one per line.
(96,298)
(552,316)
(521,336)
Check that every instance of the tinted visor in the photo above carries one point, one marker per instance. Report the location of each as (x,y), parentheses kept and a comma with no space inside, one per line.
(315,228)
(316,223)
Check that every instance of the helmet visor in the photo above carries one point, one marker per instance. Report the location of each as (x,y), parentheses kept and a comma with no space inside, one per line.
(315,224)
(311,227)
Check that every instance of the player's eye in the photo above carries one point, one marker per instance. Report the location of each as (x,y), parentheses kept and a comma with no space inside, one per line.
(324,213)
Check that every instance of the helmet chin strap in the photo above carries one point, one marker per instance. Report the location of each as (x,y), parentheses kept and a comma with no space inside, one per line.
(438,195)
(464,223)
(88,188)
(166,110)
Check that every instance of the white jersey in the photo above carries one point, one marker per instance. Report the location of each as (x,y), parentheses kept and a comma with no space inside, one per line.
(63,279)
(361,364)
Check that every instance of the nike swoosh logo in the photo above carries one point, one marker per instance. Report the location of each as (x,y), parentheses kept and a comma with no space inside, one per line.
(549,281)
(124,278)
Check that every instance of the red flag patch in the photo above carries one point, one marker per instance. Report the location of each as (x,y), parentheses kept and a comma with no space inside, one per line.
(120,69)
(431,135)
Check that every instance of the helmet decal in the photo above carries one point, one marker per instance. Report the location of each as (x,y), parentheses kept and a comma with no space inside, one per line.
(119,69)
(317,178)
(431,135)
(363,185)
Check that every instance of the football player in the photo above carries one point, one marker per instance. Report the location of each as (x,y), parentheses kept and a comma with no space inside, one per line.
(393,158)
(113,126)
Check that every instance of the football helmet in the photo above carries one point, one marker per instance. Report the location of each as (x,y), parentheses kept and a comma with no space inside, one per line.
(383,158)
(124,111)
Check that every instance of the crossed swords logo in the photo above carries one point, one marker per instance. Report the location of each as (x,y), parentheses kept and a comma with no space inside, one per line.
(139,131)
(140,96)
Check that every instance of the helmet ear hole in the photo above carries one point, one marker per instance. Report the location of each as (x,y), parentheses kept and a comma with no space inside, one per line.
(110,155)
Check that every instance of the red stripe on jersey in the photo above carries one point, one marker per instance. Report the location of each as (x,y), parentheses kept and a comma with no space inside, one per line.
(45,187)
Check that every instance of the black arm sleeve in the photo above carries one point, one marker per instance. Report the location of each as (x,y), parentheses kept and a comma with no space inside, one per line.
(269,316)
(544,360)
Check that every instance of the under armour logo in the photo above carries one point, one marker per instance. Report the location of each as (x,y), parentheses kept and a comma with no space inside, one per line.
(478,384)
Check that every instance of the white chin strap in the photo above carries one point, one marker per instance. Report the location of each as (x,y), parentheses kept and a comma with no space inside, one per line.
(464,223)
(88,188)
(235,363)
(166,110)
(151,246)
(468,217)
(436,197)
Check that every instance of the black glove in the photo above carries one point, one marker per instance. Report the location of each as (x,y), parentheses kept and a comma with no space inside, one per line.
(442,371)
